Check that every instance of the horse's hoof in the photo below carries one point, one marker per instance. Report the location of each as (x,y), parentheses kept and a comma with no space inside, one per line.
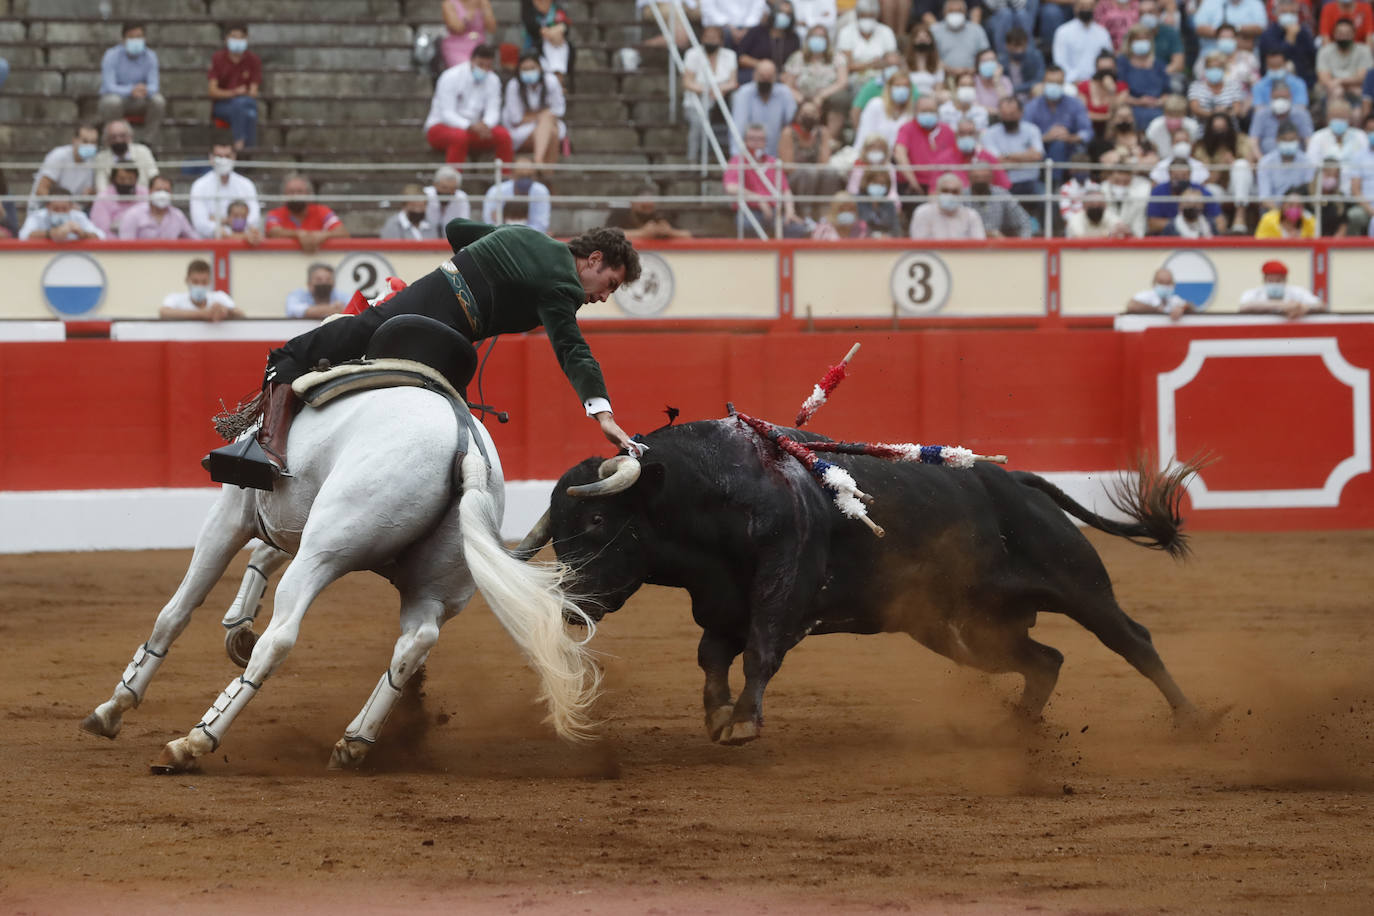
(239,643)
(348,755)
(737,733)
(175,758)
(94,725)
(1191,722)
(717,720)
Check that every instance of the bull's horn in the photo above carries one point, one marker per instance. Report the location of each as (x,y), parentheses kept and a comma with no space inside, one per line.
(539,535)
(617,474)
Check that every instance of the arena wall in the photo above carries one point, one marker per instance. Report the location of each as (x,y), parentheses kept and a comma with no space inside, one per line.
(102,423)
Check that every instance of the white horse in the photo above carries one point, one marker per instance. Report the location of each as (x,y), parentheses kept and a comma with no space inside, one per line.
(373,489)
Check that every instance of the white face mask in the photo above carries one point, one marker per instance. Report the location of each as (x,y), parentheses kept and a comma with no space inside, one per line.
(966,95)
(1181,150)
(161,198)
(875,156)
(1281,106)
(867,25)
(222,165)
(1275,290)
(955,20)
(947,201)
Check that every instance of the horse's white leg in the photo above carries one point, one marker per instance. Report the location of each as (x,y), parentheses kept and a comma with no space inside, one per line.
(238,620)
(226,530)
(300,585)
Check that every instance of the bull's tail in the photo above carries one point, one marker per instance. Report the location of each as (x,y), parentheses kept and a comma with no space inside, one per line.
(1150,500)
(528,600)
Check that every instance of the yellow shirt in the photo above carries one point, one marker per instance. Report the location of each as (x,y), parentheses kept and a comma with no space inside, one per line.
(1269,226)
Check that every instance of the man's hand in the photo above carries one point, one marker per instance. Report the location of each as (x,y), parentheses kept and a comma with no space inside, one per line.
(310,241)
(614,434)
(140,91)
(218,312)
(1057,132)
(480,129)
(252,236)
(1294,309)
(1178,311)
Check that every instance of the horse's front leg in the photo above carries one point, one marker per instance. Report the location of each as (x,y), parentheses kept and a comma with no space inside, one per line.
(239,637)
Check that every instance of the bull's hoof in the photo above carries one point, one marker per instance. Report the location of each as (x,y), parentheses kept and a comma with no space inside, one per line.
(348,755)
(95,725)
(239,643)
(737,733)
(717,720)
(176,757)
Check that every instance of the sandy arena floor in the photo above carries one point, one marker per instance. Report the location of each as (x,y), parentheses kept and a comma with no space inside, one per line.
(882,782)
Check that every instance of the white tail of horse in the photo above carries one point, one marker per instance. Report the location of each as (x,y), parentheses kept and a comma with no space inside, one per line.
(528,600)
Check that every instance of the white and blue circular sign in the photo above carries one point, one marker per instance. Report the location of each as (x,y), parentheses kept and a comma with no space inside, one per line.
(73,284)
(1195,276)
(652,292)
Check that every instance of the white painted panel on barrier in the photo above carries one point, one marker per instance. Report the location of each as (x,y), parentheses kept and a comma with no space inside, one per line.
(919,282)
(261,280)
(92,284)
(272,331)
(32,331)
(697,284)
(1100,281)
(1347,280)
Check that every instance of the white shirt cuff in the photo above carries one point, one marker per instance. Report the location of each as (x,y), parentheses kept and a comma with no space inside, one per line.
(596,405)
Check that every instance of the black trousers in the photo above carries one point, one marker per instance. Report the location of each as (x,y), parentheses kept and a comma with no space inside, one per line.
(346,338)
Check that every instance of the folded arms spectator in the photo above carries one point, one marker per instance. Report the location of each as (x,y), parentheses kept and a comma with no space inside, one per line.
(1160,299)
(119,196)
(761,102)
(69,168)
(235,77)
(300,219)
(59,221)
(199,302)
(1276,296)
(947,217)
(129,81)
(465,112)
(773,39)
(644,220)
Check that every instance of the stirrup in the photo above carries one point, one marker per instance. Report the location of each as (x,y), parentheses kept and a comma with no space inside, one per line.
(243,464)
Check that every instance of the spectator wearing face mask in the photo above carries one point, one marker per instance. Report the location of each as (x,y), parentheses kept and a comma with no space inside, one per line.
(212,192)
(1022,62)
(299,218)
(1061,118)
(1342,64)
(875,154)
(1292,41)
(319,299)
(1094,221)
(804,148)
(1338,138)
(888,113)
(1249,17)
(1018,146)
(990,85)
(1277,71)
(199,302)
(1079,182)
(891,66)
(534,110)
(119,196)
(445,199)
(1078,42)
(1127,192)
(969,149)
(1144,76)
(1286,168)
(156,218)
(1001,16)
(877,204)
(762,185)
(1361,16)
(129,81)
(69,167)
(1181,153)
(1180,197)
(58,221)
(236,225)
(409,222)
(761,102)
(959,40)
(922,144)
(1287,221)
(842,221)
(1276,296)
(774,39)
(1241,66)
(1230,156)
(121,148)
(1104,92)
(699,67)
(235,76)
(923,61)
(817,13)
(947,216)
(815,74)
(1160,132)
(1160,299)
(963,105)
(1002,216)
(465,112)
(864,42)
(1212,93)
(1167,43)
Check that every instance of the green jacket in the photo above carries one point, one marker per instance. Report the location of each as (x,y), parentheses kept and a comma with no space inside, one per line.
(534,283)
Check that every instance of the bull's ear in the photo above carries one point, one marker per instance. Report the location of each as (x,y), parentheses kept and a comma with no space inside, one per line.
(651,476)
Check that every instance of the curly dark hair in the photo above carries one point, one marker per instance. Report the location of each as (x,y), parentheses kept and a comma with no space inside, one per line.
(616,250)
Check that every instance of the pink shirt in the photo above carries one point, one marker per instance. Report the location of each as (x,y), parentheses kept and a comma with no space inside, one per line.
(930,222)
(110,206)
(139,223)
(927,148)
(754,178)
(1117,18)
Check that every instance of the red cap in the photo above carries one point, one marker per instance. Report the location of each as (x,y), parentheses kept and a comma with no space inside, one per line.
(1278,268)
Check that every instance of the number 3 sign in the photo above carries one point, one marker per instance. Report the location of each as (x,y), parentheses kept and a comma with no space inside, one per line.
(365,272)
(920,283)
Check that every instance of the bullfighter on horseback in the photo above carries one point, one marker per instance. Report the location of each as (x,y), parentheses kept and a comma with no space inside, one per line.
(500,280)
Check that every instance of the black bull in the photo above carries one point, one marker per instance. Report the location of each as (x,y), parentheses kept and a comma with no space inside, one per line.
(971,556)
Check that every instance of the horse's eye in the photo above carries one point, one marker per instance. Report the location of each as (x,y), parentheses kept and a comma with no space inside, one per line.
(598,521)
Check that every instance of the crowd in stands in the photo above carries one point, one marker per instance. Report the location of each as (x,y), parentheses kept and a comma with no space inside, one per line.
(931,119)
(1160,117)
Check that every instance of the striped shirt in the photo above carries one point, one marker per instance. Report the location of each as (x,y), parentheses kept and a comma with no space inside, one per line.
(1228,95)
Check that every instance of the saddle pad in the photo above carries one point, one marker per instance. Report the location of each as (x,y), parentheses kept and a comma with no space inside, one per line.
(319,388)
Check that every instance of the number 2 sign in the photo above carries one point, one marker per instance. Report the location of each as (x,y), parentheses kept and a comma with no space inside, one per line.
(363,271)
(920,283)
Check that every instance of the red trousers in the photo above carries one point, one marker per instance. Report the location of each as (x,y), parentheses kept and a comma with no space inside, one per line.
(454,141)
